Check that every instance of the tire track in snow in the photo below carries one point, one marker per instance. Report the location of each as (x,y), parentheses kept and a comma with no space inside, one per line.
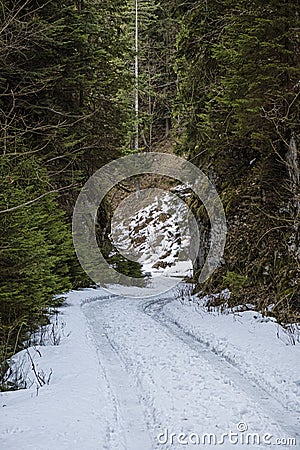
(171,375)
(129,431)
(289,421)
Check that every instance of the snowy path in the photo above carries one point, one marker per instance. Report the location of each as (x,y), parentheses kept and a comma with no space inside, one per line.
(182,385)
(134,371)
(129,430)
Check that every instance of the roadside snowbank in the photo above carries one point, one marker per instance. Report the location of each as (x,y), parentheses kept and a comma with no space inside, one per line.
(73,411)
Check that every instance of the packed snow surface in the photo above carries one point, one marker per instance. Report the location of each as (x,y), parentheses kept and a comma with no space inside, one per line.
(155,373)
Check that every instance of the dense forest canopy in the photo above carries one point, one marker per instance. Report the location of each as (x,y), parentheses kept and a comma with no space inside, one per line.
(219,83)
(63,114)
(238,62)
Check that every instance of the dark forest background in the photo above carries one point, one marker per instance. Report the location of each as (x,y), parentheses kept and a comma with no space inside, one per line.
(219,84)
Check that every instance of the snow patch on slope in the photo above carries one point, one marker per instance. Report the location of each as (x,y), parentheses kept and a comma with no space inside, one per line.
(153,229)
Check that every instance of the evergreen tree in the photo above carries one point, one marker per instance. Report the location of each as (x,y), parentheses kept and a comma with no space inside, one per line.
(35,251)
(63,113)
(239,69)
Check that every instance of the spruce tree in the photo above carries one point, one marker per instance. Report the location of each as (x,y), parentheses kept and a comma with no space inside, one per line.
(239,105)
(63,114)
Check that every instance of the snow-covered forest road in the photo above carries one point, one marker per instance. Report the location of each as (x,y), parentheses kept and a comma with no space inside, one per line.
(141,374)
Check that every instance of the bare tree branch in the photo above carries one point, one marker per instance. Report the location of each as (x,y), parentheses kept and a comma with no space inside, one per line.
(30,202)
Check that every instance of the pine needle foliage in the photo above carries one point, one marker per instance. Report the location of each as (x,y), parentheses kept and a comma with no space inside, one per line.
(238,100)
